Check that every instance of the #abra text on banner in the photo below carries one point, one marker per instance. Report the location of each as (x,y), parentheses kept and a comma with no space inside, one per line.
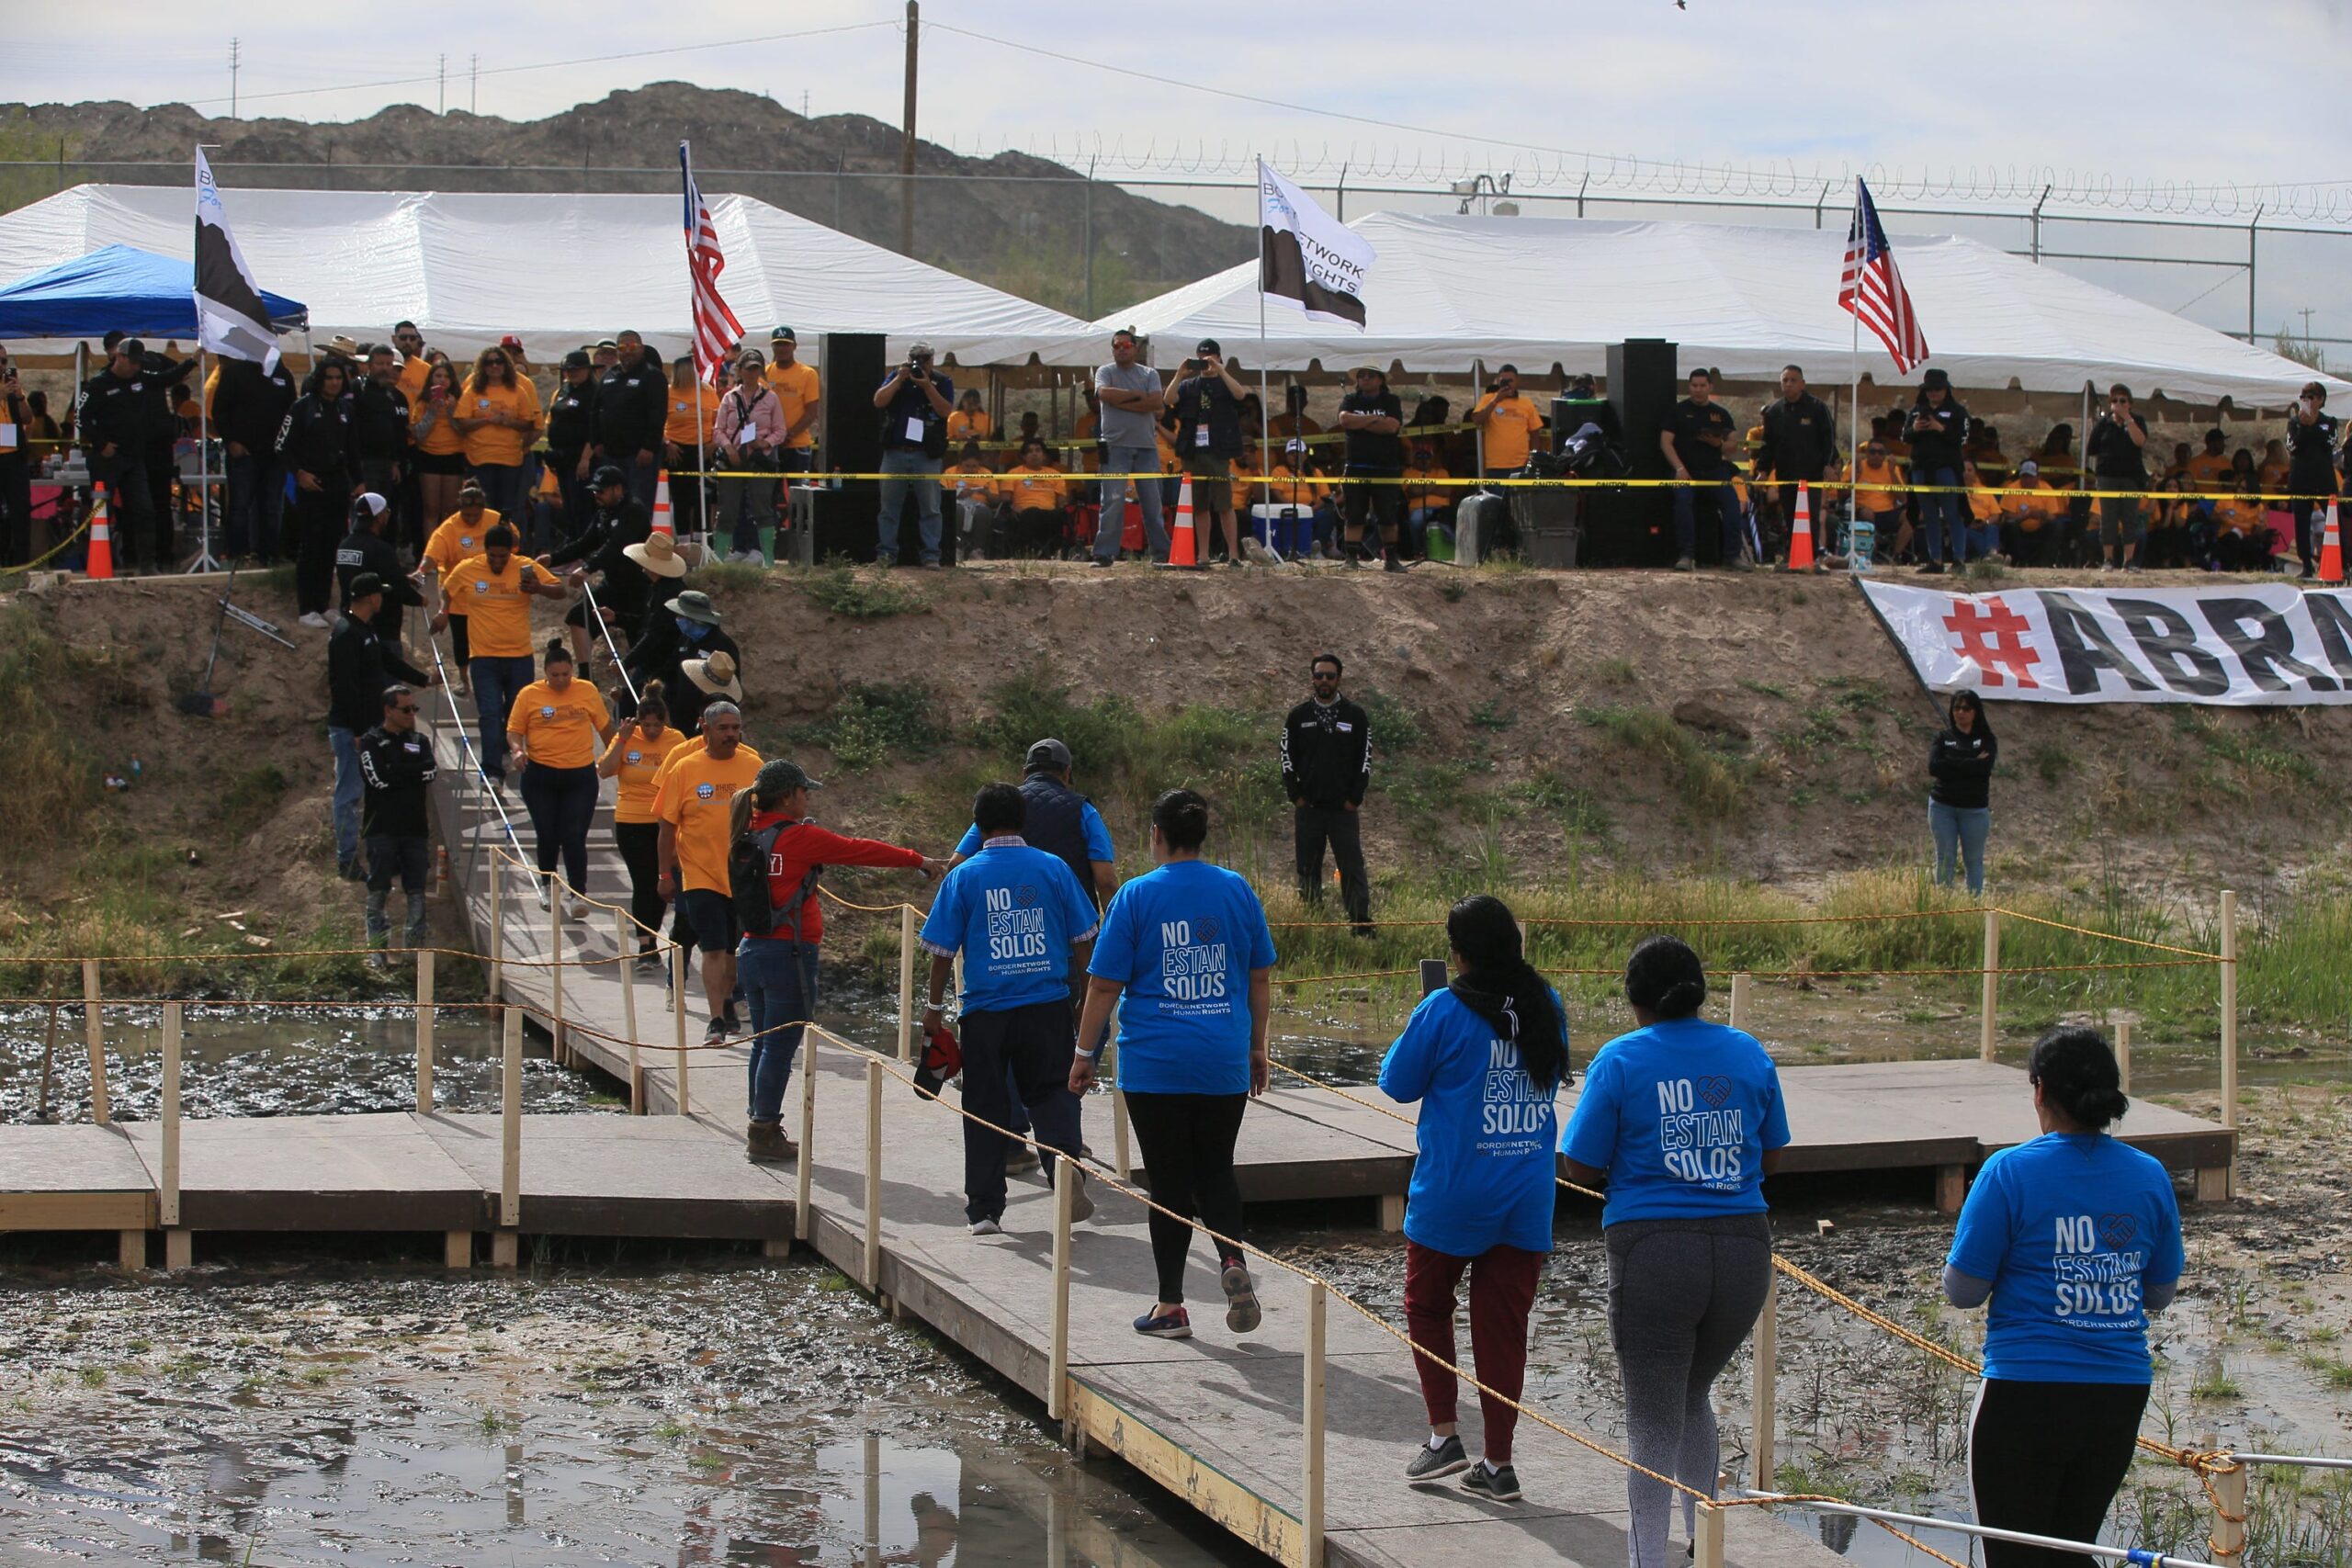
(2262,645)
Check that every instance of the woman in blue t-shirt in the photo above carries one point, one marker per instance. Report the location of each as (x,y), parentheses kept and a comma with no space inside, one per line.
(1484,1057)
(1189,947)
(1684,1119)
(2075,1239)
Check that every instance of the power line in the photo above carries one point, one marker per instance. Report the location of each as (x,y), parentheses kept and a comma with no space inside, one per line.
(559,65)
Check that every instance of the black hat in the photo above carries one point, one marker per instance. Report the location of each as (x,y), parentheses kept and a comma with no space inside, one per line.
(579,359)
(607,476)
(1937,375)
(364,584)
(1048,753)
(1206,345)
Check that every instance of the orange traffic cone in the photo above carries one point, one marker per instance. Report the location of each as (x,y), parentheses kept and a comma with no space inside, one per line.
(1181,551)
(100,564)
(2331,548)
(661,505)
(1801,531)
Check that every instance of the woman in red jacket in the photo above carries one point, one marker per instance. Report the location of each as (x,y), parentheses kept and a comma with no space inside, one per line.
(777,968)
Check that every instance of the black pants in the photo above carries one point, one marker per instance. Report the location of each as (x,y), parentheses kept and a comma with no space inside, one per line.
(319,516)
(130,505)
(640,844)
(1035,1044)
(2310,514)
(16,507)
(1186,1141)
(162,471)
(562,803)
(2046,1458)
(1311,827)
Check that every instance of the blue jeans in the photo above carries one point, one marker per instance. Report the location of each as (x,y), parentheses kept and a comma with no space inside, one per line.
(923,475)
(502,489)
(1686,521)
(1130,460)
(1959,835)
(1939,510)
(779,981)
(256,502)
(347,788)
(497,682)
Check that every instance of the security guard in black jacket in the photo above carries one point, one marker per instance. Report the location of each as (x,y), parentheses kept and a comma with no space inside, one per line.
(2312,438)
(366,549)
(395,767)
(620,521)
(571,431)
(117,417)
(1799,442)
(1327,763)
(632,405)
(359,666)
(159,373)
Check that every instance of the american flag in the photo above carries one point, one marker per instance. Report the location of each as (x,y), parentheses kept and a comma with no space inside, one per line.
(1873,290)
(716,328)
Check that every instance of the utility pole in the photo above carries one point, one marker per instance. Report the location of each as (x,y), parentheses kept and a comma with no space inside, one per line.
(906,147)
(473,85)
(441,86)
(233,78)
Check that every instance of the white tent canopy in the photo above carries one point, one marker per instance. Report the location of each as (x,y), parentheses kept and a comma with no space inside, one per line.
(1540,291)
(558,270)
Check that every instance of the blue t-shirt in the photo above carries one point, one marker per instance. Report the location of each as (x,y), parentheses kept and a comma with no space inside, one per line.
(1014,913)
(1485,1175)
(2070,1228)
(1680,1115)
(1183,940)
(1089,821)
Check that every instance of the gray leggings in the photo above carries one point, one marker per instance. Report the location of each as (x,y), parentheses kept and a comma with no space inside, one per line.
(1682,1295)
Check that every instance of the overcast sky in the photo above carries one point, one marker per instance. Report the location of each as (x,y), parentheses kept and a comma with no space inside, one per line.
(2157,93)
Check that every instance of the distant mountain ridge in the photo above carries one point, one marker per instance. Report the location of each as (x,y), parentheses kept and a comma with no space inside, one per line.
(1017,222)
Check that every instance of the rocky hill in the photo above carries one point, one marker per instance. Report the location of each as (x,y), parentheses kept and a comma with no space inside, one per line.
(1017,222)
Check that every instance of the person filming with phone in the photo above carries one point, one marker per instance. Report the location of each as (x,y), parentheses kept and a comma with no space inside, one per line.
(915,401)
(1206,402)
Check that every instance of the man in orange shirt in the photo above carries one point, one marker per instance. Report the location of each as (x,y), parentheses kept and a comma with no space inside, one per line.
(1037,516)
(495,590)
(698,794)
(797,388)
(1508,422)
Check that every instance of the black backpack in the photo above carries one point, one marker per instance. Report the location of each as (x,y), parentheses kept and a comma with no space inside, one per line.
(747,882)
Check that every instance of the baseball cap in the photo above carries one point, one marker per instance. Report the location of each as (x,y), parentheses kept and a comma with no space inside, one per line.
(919,351)
(1206,345)
(2029,468)
(371,503)
(782,776)
(579,359)
(786,334)
(1047,753)
(364,584)
(608,343)
(511,342)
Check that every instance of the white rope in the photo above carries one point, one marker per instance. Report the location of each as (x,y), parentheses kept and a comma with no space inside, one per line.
(467,741)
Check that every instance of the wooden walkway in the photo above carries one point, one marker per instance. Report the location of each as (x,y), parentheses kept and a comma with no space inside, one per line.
(1216,1420)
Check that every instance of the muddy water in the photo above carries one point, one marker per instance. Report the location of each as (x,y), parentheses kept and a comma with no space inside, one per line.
(707,1413)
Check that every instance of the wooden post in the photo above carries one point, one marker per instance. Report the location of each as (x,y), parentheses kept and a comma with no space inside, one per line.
(456,1249)
(2229,1511)
(93,1030)
(629,1008)
(1992,983)
(800,1182)
(2123,1052)
(497,926)
(678,1016)
(873,1175)
(425,1032)
(1310,1511)
(1707,1538)
(1764,1400)
(1741,999)
(555,962)
(509,1113)
(1066,1179)
(167,1201)
(2230,1026)
(906,982)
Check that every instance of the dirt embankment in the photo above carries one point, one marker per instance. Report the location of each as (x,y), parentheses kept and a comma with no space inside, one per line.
(1523,723)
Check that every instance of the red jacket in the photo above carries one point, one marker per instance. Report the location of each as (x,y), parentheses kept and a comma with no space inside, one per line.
(803,844)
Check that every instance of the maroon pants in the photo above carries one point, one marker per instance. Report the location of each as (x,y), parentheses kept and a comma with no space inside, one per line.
(1502,1289)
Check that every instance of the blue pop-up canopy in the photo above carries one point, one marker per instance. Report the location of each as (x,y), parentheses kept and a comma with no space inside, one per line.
(113,288)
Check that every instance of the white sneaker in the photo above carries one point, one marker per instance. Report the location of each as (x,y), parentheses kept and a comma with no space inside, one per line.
(545,900)
(987,1227)
(314,619)
(576,910)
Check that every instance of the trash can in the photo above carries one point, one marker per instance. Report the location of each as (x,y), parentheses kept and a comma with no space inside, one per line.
(1549,517)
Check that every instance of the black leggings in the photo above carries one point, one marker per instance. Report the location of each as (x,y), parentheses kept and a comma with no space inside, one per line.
(2046,1458)
(1186,1141)
(562,803)
(640,844)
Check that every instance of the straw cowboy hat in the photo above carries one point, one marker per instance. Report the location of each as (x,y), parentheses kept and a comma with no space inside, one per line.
(344,345)
(658,555)
(714,676)
(694,605)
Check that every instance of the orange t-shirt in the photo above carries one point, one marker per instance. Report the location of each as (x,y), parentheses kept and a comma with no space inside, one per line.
(696,795)
(637,784)
(680,425)
(974,481)
(497,611)
(1035,489)
(412,375)
(1876,471)
(1292,489)
(973,426)
(797,389)
(500,444)
(456,541)
(2208,472)
(560,730)
(1419,493)
(1511,429)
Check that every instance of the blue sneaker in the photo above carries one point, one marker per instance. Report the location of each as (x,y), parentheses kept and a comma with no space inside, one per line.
(1177,1324)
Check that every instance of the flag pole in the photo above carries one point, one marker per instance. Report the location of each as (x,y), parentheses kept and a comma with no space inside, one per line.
(1265,414)
(204,560)
(1854,372)
(693,346)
